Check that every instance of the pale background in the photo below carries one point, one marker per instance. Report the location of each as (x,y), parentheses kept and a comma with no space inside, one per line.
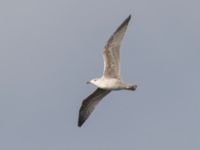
(49,49)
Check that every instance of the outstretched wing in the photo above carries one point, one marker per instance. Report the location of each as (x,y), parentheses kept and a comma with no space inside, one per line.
(89,104)
(111,52)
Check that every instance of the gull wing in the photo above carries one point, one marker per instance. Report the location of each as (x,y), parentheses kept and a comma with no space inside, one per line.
(89,104)
(111,52)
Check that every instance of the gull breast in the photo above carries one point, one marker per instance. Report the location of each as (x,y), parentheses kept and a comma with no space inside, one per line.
(110,84)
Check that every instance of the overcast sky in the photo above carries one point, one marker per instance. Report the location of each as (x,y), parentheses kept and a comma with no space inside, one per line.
(49,49)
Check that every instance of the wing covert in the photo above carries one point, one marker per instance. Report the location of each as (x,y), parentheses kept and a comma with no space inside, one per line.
(111,52)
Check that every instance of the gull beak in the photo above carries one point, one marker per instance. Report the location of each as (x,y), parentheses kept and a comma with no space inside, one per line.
(88,82)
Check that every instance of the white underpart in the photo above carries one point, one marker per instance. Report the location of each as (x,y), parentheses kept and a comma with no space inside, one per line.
(110,84)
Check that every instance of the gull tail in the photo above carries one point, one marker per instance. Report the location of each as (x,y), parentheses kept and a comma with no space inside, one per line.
(132,87)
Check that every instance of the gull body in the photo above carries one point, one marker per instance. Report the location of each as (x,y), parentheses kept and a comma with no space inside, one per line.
(111,84)
(110,79)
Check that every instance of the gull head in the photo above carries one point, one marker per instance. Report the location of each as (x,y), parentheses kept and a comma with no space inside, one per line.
(93,81)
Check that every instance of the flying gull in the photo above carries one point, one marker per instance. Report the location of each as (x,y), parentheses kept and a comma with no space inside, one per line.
(111,75)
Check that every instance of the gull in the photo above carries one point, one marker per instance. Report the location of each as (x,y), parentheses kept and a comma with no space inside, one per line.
(111,75)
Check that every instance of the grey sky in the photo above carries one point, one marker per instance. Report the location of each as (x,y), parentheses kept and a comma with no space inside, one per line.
(49,49)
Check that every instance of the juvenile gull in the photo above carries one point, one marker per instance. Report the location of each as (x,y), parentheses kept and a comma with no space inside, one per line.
(111,75)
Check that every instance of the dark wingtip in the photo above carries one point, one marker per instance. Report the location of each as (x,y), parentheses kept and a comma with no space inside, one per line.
(129,17)
(80,122)
(81,119)
(125,22)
